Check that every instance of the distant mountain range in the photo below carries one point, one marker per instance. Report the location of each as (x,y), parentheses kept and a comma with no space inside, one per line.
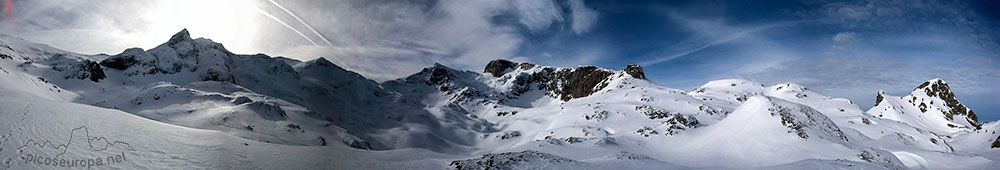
(510,115)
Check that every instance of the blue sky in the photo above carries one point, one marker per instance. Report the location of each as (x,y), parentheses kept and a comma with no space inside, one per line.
(847,49)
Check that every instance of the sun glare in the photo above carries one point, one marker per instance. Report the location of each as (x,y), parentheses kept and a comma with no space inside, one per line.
(230,22)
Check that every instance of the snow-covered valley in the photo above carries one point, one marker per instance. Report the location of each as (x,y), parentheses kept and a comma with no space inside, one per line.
(192,104)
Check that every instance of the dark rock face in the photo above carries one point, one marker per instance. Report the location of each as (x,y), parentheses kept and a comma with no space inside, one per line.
(215,75)
(996,143)
(878,99)
(525,66)
(137,57)
(579,82)
(680,123)
(498,67)
(5,56)
(121,61)
(439,74)
(523,82)
(635,71)
(652,112)
(565,84)
(78,69)
(96,73)
(938,88)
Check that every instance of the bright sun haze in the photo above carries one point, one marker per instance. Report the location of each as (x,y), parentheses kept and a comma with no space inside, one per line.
(233,23)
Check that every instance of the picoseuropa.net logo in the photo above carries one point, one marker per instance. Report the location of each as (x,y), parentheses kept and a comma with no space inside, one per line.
(63,162)
(48,153)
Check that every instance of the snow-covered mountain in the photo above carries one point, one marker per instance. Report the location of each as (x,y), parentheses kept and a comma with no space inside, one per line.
(190,103)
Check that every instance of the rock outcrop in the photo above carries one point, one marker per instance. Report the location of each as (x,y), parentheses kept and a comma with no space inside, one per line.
(878,99)
(508,160)
(996,143)
(579,82)
(498,67)
(439,74)
(564,83)
(635,71)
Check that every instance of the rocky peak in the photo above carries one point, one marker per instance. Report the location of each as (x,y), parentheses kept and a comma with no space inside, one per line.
(498,67)
(937,88)
(635,71)
(180,53)
(322,65)
(438,73)
(322,62)
(181,36)
(878,99)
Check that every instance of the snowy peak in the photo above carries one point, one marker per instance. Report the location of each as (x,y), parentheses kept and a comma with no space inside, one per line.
(321,62)
(781,126)
(800,120)
(931,106)
(732,85)
(202,58)
(729,91)
(181,36)
(439,73)
(938,90)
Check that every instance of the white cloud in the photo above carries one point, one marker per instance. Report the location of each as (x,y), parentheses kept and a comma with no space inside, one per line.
(583,18)
(844,42)
(380,39)
(537,15)
(855,11)
(845,37)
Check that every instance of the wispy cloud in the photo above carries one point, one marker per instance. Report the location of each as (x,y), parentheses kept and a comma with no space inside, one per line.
(289,12)
(462,34)
(708,33)
(583,17)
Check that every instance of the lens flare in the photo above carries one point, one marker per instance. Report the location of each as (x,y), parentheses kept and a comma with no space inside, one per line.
(8,9)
